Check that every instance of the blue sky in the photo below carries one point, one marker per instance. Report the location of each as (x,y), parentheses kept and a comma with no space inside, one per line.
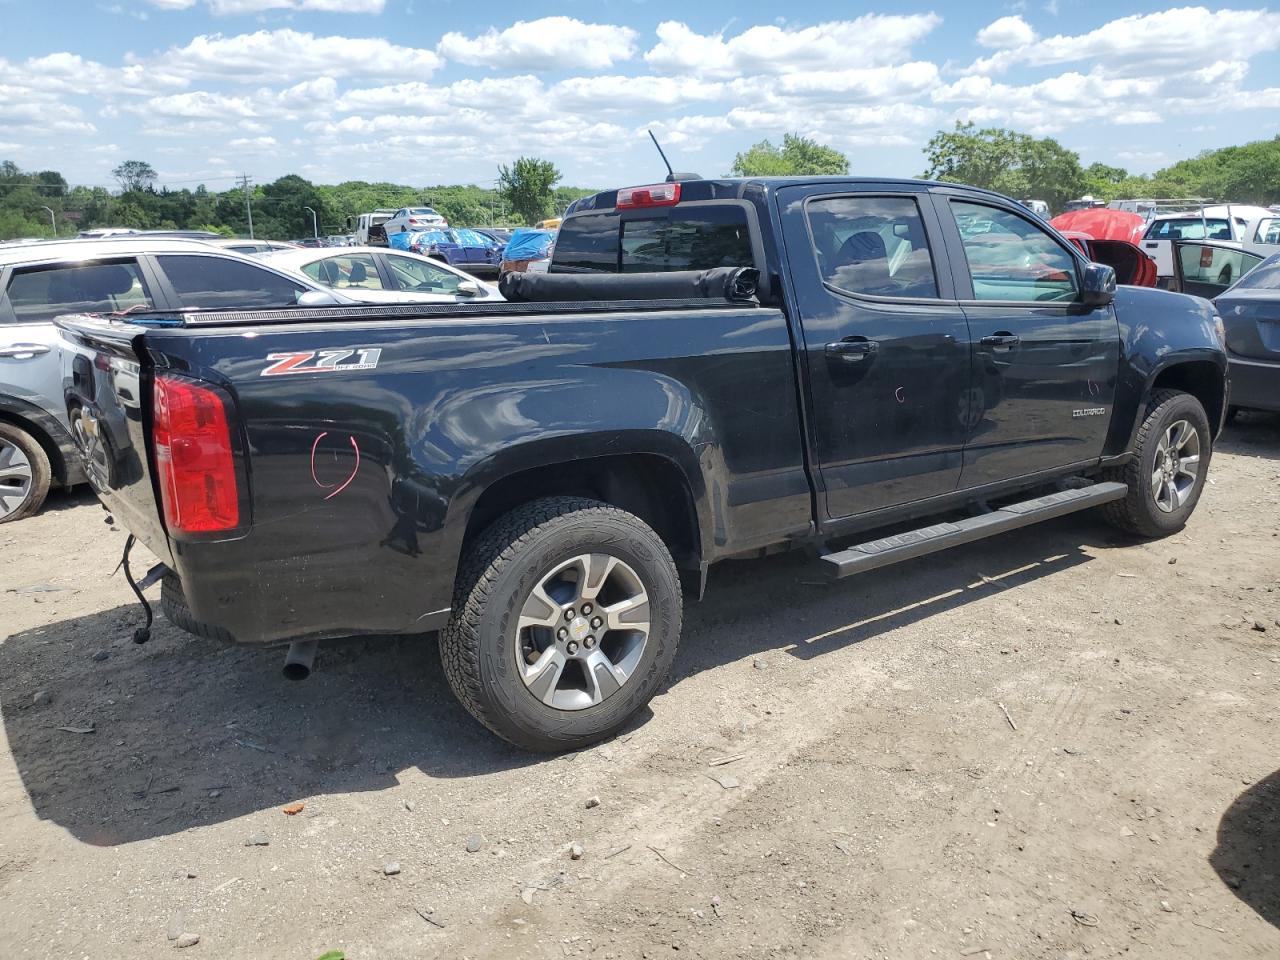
(442,92)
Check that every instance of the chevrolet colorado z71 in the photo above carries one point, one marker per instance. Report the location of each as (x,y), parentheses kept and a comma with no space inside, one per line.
(540,481)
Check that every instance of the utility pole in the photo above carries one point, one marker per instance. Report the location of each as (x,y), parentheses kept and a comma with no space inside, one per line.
(248,208)
(53,220)
(315,224)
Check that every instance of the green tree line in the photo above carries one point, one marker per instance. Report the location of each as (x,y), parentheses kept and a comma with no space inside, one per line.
(1010,162)
(1033,168)
(278,208)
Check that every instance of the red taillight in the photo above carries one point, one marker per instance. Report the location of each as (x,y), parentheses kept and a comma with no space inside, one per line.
(1206,258)
(196,467)
(654,195)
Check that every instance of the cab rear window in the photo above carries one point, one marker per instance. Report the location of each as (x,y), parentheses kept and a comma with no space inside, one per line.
(688,238)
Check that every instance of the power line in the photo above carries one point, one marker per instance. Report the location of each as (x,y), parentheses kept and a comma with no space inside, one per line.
(248,207)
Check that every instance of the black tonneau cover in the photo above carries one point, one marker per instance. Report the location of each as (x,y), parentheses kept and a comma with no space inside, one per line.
(737,284)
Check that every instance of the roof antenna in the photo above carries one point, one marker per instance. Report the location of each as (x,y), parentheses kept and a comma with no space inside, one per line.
(672,175)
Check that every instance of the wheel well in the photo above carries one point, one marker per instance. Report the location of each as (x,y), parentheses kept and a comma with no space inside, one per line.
(1200,378)
(56,464)
(647,485)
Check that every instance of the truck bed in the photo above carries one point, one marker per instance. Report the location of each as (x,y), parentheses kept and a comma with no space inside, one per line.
(359,477)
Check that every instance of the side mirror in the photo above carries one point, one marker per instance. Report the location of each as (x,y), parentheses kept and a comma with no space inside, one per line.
(317,298)
(1098,285)
(468,288)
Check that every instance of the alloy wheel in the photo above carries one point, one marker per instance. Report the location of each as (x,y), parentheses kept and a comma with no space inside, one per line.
(582,631)
(1177,466)
(15,477)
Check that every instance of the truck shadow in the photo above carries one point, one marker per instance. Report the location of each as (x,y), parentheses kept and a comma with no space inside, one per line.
(1247,856)
(187,733)
(1252,434)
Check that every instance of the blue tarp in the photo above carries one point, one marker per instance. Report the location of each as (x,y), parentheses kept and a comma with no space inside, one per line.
(408,239)
(529,244)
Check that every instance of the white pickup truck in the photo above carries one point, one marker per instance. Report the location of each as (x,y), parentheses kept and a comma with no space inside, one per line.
(1255,229)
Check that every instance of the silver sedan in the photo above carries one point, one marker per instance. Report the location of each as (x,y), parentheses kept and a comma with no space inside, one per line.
(379,275)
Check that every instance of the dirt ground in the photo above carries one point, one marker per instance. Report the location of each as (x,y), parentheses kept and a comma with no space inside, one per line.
(881,804)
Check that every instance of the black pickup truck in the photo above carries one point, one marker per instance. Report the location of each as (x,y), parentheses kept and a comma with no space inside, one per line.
(720,368)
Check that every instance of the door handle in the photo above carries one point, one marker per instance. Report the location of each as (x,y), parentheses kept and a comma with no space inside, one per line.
(852,349)
(1001,340)
(1152,246)
(23,351)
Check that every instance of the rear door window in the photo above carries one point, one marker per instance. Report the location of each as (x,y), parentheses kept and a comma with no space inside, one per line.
(42,293)
(1190,228)
(221,283)
(682,238)
(355,271)
(872,245)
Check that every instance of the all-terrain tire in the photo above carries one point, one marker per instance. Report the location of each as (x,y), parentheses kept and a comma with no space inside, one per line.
(174,604)
(1138,513)
(41,473)
(497,574)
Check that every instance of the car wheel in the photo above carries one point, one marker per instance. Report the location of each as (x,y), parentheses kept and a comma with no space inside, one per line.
(1169,468)
(25,475)
(566,617)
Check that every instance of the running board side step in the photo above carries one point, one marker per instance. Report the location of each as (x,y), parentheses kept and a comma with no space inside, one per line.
(917,543)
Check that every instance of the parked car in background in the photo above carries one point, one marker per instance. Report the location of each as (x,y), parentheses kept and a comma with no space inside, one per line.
(413,218)
(1250,312)
(1229,223)
(379,275)
(252,246)
(463,248)
(1110,237)
(528,250)
(39,281)
(369,229)
(1038,207)
(499,235)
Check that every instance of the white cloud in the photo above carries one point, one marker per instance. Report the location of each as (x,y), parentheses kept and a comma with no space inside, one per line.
(258,143)
(288,54)
(877,39)
(618,93)
(1007,33)
(1170,39)
(545,44)
(199,105)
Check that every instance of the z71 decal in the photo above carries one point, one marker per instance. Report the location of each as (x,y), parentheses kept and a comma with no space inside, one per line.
(322,361)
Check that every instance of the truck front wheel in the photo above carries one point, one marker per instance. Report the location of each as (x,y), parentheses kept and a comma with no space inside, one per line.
(1169,468)
(566,617)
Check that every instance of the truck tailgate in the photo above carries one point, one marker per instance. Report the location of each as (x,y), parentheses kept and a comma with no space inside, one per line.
(108,393)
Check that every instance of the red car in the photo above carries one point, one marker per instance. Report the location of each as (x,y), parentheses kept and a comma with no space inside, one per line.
(1110,237)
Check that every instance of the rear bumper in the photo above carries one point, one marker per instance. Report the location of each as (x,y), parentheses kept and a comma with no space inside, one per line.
(1255,384)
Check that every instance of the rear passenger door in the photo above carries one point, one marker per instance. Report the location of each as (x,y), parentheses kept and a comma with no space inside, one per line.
(886,345)
(203,281)
(1044,366)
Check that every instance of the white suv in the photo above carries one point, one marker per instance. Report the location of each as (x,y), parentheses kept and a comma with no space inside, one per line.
(42,280)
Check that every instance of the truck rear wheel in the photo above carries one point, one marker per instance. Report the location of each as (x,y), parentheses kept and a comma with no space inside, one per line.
(566,617)
(25,474)
(1169,469)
